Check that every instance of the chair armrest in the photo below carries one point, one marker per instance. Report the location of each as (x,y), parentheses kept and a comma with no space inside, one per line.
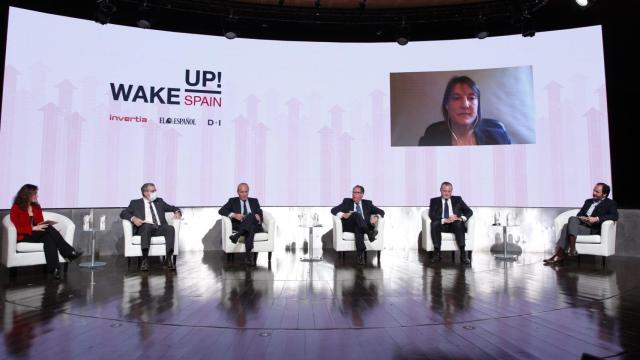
(427,244)
(9,238)
(562,219)
(64,225)
(608,235)
(337,231)
(171,220)
(269,223)
(471,228)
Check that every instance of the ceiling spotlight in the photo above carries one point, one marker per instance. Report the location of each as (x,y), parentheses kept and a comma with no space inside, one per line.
(230,35)
(482,34)
(144,20)
(104,10)
(402,36)
(143,23)
(582,3)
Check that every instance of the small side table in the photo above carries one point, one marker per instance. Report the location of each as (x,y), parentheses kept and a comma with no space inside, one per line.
(504,256)
(93,264)
(311,258)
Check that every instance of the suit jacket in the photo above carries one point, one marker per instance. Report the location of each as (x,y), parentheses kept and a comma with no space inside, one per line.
(368,208)
(234,206)
(136,208)
(458,208)
(607,209)
(488,132)
(20,219)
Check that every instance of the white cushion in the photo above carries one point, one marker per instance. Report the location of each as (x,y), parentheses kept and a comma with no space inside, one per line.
(29,247)
(589,239)
(349,236)
(261,236)
(155,240)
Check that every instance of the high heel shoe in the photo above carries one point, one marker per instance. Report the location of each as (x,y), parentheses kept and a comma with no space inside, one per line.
(74,255)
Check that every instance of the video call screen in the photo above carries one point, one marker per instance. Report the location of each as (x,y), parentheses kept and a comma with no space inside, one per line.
(90,112)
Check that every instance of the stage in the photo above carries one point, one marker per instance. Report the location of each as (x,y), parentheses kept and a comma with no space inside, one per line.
(397,308)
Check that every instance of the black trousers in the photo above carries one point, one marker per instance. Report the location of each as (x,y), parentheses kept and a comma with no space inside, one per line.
(248,227)
(358,226)
(146,231)
(52,243)
(456,227)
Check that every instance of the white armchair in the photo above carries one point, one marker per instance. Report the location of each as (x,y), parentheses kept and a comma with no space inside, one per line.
(132,243)
(448,239)
(16,254)
(262,242)
(346,241)
(602,245)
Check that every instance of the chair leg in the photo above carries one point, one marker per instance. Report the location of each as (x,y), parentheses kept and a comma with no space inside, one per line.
(379,253)
(66,267)
(453,256)
(578,258)
(255,257)
(269,256)
(604,262)
(138,261)
(13,272)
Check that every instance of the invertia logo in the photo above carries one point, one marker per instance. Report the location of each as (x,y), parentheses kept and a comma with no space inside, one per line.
(178,121)
(138,119)
(204,84)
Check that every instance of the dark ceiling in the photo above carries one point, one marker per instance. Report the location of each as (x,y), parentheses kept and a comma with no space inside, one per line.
(334,20)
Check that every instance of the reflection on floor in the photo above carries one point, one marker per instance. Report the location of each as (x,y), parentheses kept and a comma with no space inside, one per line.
(398,308)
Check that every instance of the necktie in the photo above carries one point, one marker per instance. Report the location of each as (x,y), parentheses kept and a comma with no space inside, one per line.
(244,207)
(359,210)
(446,209)
(153,215)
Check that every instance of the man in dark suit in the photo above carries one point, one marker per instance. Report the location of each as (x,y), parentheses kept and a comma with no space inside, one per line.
(589,221)
(448,214)
(147,216)
(360,217)
(246,219)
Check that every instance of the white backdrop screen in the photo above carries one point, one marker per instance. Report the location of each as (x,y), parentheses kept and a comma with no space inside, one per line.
(90,112)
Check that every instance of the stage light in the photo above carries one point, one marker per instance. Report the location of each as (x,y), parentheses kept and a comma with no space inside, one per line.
(230,35)
(402,36)
(104,10)
(144,18)
(482,34)
(582,3)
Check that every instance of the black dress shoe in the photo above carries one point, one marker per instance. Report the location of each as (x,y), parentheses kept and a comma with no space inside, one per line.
(145,265)
(248,260)
(74,255)
(234,238)
(169,263)
(56,274)
(372,235)
(361,259)
(436,258)
(464,259)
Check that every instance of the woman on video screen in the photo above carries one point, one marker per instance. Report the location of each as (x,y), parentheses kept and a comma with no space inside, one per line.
(463,123)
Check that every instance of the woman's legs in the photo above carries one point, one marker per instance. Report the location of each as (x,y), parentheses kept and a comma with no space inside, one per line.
(52,243)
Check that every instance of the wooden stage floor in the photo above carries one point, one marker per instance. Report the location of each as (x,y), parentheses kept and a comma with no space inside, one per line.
(399,309)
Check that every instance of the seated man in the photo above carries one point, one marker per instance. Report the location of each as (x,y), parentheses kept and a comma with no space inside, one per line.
(246,219)
(147,216)
(359,217)
(448,214)
(589,220)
